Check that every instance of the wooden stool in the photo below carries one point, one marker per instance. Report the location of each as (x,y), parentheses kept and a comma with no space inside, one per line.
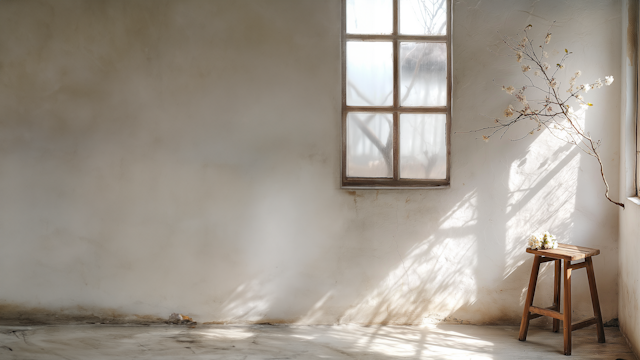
(566,253)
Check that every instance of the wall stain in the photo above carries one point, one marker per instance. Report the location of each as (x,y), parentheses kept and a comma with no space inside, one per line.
(13,314)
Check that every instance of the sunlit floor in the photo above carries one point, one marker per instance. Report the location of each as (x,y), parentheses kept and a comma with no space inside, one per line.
(300,342)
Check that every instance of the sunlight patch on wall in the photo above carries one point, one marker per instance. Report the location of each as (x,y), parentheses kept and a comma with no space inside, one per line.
(542,194)
(435,278)
(314,315)
(463,214)
(248,303)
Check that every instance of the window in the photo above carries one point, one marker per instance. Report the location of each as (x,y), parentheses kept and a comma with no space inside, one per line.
(396,103)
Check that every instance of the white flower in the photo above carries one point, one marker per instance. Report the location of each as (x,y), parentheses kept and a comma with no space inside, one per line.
(485,138)
(586,88)
(545,66)
(521,98)
(547,38)
(597,84)
(536,73)
(548,241)
(509,111)
(526,68)
(561,66)
(553,83)
(608,80)
(572,81)
(535,241)
(509,89)
(519,56)
(545,54)
(578,73)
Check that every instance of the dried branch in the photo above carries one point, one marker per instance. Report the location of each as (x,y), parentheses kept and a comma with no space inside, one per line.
(553,112)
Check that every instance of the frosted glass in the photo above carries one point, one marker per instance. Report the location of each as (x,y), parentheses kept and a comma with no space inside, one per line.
(369,17)
(423,17)
(423,74)
(369,73)
(423,146)
(369,145)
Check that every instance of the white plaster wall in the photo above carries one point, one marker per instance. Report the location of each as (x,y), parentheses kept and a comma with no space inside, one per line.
(629,271)
(183,156)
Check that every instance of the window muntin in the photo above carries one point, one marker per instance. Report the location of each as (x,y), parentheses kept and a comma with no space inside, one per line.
(396,93)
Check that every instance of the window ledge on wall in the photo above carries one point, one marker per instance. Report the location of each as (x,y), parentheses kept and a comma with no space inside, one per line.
(634,199)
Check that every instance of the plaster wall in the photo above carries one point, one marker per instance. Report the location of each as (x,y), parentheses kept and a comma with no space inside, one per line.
(629,272)
(183,156)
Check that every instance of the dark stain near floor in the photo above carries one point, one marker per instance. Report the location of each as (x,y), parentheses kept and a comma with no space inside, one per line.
(12,314)
(612,323)
(187,337)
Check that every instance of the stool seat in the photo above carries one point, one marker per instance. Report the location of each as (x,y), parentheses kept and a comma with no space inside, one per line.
(565,253)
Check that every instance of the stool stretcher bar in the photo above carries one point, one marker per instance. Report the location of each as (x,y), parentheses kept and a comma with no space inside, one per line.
(546,312)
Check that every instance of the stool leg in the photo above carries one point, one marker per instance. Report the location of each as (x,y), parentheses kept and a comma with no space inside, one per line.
(566,321)
(524,325)
(556,292)
(594,299)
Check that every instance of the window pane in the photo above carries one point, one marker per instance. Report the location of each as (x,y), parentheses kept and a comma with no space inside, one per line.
(423,17)
(423,146)
(369,16)
(369,145)
(423,74)
(369,73)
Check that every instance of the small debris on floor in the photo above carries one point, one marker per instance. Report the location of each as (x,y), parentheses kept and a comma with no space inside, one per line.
(180,319)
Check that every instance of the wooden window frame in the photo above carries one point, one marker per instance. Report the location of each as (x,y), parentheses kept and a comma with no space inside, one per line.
(396,109)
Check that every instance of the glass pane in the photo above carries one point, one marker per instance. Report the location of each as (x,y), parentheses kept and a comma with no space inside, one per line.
(369,16)
(423,146)
(423,17)
(423,74)
(369,73)
(369,145)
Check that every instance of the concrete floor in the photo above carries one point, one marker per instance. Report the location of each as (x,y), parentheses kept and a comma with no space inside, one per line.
(300,342)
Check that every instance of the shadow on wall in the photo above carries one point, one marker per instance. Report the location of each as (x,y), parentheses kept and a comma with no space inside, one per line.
(474,254)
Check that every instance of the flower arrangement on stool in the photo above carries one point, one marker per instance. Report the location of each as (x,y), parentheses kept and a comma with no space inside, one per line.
(542,241)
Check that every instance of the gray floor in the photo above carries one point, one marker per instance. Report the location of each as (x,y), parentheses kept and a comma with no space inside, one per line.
(300,342)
